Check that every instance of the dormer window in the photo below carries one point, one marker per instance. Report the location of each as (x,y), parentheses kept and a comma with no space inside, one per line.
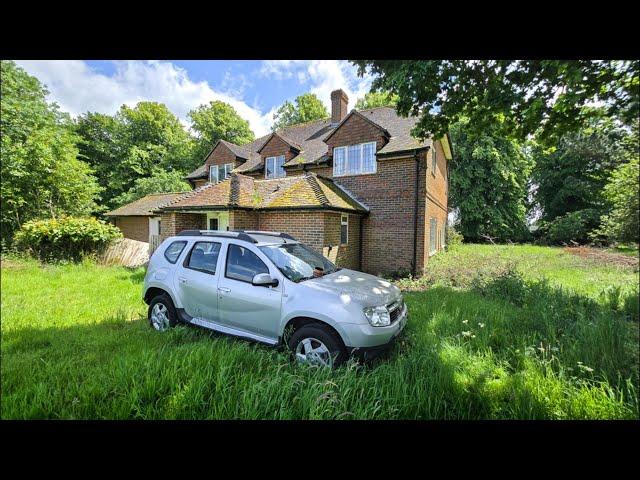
(218,173)
(274,167)
(354,159)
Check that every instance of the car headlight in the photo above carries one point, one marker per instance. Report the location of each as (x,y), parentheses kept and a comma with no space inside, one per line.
(377,316)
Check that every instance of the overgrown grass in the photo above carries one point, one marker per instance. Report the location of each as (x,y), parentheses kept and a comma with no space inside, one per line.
(500,344)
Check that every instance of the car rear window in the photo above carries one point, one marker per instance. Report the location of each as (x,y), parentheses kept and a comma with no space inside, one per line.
(174,250)
(203,257)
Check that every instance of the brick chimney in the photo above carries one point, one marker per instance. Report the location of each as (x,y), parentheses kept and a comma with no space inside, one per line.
(339,104)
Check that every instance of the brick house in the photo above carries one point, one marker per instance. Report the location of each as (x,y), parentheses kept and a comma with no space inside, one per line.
(356,187)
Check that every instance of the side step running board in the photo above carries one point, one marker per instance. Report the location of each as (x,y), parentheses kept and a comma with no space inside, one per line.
(201,322)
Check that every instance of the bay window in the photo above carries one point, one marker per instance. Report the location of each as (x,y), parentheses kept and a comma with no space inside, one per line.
(354,159)
(274,167)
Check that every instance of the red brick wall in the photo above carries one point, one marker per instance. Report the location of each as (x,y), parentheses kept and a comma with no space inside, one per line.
(307,227)
(135,228)
(356,130)
(348,255)
(275,147)
(175,222)
(436,198)
(243,220)
(221,155)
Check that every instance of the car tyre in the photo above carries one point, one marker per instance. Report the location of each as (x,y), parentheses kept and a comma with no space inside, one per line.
(316,344)
(162,314)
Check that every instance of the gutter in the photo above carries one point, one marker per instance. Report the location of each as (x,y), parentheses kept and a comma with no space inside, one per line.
(414,266)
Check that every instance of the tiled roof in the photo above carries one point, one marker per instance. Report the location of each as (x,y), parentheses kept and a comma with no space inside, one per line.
(309,139)
(145,206)
(302,191)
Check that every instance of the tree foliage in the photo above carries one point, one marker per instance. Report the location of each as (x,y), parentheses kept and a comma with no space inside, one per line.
(377,99)
(570,178)
(41,173)
(488,184)
(218,121)
(623,193)
(136,143)
(546,97)
(307,107)
(159,182)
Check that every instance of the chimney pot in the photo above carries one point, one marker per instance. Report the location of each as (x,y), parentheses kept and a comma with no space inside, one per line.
(339,105)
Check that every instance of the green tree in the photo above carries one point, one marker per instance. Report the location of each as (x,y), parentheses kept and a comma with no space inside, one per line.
(570,177)
(135,143)
(488,184)
(159,182)
(524,97)
(622,191)
(307,107)
(218,121)
(377,99)
(42,175)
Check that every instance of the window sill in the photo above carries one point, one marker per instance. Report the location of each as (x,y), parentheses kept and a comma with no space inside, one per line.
(353,174)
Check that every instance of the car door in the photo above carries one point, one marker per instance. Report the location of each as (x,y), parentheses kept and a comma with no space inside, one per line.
(242,305)
(196,280)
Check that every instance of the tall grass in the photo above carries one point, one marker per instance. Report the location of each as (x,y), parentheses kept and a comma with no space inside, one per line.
(75,344)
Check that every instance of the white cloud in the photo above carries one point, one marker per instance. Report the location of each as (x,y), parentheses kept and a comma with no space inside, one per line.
(323,76)
(77,88)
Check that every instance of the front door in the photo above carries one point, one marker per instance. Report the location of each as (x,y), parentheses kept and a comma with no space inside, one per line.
(196,280)
(242,305)
(218,221)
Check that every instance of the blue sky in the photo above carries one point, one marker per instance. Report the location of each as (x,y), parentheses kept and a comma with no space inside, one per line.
(254,88)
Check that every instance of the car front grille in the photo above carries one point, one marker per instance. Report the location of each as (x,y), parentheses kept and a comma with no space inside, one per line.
(395,310)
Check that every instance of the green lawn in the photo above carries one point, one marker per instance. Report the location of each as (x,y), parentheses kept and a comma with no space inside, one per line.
(488,337)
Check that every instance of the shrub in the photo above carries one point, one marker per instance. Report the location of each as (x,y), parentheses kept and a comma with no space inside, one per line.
(66,238)
(454,238)
(573,226)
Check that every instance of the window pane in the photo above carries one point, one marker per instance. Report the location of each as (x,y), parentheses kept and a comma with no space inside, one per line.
(204,256)
(339,161)
(243,264)
(369,158)
(213,174)
(433,161)
(353,159)
(279,169)
(269,167)
(174,250)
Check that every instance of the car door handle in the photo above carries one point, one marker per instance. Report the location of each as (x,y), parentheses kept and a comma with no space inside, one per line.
(182,279)
(224,289)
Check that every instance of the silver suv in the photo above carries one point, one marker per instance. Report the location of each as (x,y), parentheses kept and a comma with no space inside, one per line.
(268,287)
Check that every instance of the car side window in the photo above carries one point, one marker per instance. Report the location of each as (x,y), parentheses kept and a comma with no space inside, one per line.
(203,257)
(243,264)
(173,251)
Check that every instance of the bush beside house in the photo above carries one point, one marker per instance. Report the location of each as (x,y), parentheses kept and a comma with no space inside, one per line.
(66,238)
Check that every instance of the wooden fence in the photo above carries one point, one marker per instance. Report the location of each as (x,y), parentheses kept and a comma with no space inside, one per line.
(126,252)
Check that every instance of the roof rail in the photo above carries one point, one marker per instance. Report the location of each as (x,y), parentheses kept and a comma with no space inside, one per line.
(217,233)
(273,234)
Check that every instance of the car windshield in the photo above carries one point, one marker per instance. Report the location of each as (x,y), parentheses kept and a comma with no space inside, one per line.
(298,262)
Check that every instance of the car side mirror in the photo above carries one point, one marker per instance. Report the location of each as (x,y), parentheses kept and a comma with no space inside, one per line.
(264,280)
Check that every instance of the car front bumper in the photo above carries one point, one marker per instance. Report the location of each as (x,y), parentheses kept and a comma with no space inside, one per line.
(364,337)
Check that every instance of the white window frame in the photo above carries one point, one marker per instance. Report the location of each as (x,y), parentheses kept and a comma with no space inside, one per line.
(211,169)
(433,226)
(344,221)
(345,149)
(225,170)
(434,161)
(275,173)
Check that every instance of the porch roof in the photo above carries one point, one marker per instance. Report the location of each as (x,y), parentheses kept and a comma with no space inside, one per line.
(309,191)
(145,206)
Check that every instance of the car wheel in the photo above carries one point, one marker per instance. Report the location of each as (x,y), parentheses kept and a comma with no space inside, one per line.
(317,345)
(162,315)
